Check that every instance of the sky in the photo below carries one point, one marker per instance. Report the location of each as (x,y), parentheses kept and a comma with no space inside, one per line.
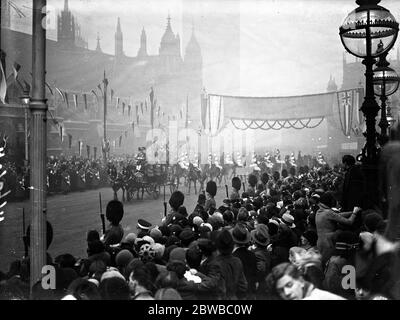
(249,47)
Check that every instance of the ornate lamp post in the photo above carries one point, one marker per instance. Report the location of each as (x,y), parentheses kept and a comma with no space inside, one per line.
(368,32)
(386,82)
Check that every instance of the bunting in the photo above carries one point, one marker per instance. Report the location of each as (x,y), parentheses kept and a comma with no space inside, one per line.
(3,85)
(61,94)
(16,68)
(80,144)
(85,101)
(151,107)
(99,86)
(123,108)
(69,141)
(141,107)
(75,96)
(97,99)
(66,98)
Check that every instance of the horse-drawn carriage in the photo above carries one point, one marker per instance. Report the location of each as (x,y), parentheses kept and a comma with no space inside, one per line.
(135,179)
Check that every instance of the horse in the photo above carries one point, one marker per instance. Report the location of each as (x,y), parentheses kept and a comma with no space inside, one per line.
(194,175)
(177,173)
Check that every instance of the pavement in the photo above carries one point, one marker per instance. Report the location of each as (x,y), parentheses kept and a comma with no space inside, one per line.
(74,214)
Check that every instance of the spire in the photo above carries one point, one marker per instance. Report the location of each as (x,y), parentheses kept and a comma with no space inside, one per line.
(169,21)
(66,5)
(119,51)
(119,25)
(98,48)
(143,44)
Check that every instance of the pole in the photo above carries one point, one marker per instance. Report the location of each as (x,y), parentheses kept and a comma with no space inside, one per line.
(26,136)
(38,107)
(105,82)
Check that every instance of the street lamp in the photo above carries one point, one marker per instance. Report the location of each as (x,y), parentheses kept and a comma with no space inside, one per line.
(386,82)
(368,32)
(25,99)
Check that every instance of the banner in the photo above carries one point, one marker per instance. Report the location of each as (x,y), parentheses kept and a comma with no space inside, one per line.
(69,141)
(75,96)
(85,101)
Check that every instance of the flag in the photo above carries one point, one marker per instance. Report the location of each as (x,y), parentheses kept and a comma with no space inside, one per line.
(69,141)
(187,112)
(151,107)
(16,68)
(123,108)
(97,99)
(94,152)
(99,86)
(120,141)
(66,98)
(117,104)
(3,85)
(85,101)
(141,107)
(75,96)
(62,133)
(129,110)
(61,94)
(80,144)
(88,151)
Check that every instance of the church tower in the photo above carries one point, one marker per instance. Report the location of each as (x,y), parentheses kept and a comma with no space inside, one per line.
(119,51)
(143,45)
(66,27)
(169,51)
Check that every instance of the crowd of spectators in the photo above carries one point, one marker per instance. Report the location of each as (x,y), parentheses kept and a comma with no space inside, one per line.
(285,237)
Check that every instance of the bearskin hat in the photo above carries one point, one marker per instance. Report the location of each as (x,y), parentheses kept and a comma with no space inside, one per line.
(176,200)
(264,178)
(252,180)
(211,188)
(236,183)
(114,212)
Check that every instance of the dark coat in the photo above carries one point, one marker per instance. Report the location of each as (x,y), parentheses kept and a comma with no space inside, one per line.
(233,276)
(213,287)
(353,189)
(249,262)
